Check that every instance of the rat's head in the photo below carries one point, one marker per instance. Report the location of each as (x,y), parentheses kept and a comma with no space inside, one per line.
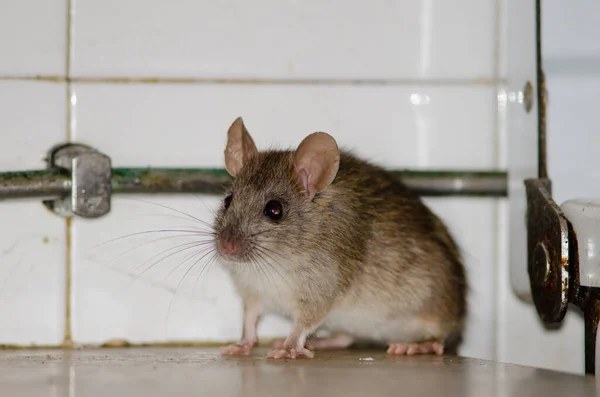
(268,207)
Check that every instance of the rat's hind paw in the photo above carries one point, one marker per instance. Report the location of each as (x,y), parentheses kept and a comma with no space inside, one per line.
(409,349)
(290,353)
(240,349)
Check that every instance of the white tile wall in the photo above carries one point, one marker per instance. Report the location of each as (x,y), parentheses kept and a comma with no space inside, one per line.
(571,133)
(521,133)
(572,63)
(266,39)
(33,37)
(397,126)
(32,242)
(570,32)
(433,69)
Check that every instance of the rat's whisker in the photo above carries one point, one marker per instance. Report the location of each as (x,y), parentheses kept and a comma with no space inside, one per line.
(208,264)
(200,251)
(263,253)
(189,232)
(186,246)
(276,271)
(179,283)
(258,267)
(259,233)
(211,210)
(145,243)
(269,253)
(192,243)
(194,223)
(173,209)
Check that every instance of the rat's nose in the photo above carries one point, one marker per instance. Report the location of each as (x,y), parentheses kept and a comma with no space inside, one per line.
(228,246)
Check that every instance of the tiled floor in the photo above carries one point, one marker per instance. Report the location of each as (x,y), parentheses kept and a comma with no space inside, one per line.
(202,372)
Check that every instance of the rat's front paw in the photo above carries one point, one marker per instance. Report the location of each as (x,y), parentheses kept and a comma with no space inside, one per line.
(290,353)
(240,349)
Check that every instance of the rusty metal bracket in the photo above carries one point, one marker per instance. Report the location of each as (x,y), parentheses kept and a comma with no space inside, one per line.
(553,266)
(90,184)
(548,251)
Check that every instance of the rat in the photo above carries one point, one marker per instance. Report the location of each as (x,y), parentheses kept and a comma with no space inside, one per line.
(333,242)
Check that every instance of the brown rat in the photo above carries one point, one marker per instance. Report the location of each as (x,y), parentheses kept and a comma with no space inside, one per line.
(331,241)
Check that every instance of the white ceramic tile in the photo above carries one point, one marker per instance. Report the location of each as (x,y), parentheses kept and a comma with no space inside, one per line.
(571,32)
(522,131)
(572,136)
(185,125)
(32,240)
(33,37)
(34,114)
(472,222)
(399,39)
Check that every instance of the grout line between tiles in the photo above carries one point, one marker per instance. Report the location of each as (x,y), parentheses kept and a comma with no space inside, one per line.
(68,336)
(498,38)
(69,38)
(70,5)
(191,80)
(502,273)
(500,83)
(51,79)
(498,141)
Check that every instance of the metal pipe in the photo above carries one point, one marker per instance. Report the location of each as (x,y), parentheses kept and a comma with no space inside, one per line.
(169,180)
(455,183)
(56,183)
(44,184)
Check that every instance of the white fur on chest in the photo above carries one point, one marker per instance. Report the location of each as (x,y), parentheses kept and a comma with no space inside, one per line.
(271,284)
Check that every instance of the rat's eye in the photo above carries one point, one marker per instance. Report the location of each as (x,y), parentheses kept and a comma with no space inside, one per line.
(273,210)
(227,201)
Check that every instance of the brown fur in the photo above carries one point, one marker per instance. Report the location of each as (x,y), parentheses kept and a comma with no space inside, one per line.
(366,241)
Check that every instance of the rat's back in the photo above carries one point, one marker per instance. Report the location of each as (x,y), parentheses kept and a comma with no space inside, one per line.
(411,280)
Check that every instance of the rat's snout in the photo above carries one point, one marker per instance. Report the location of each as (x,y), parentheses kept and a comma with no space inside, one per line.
(228,246)
(229,243)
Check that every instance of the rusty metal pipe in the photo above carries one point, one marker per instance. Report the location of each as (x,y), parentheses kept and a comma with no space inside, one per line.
(56,183)
(44,184)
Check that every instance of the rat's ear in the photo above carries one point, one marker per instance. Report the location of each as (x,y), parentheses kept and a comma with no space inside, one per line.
(316,162)
(240,147)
